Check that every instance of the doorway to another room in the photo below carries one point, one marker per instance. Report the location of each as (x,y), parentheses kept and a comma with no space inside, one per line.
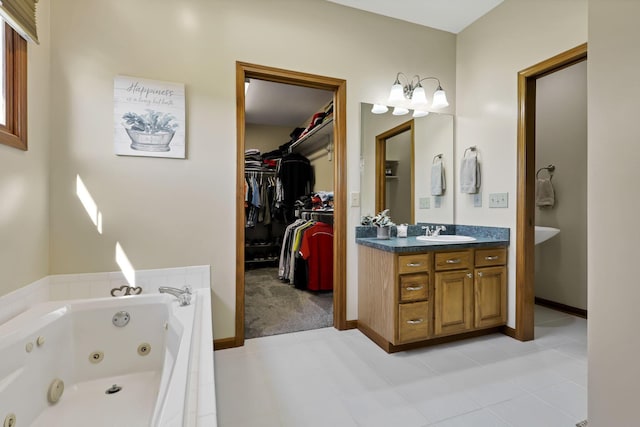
(290,248)
(541,136)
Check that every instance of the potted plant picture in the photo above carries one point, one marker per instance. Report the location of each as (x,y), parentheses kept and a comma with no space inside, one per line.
(150,131)
(382,222)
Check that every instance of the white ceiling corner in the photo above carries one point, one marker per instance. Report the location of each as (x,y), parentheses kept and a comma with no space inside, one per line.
(447,15)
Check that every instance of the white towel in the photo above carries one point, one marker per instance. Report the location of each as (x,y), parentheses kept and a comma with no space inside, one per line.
(438,184)
(470,174)
(545,195)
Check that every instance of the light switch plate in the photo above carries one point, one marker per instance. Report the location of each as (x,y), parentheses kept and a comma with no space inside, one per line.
(499,200)
(355,199)
(477,200)
(424,203)
(437,201)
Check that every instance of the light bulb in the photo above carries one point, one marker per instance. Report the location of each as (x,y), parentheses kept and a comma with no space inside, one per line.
(439,99)
(400,111)
(379,109)
(418,97)
(397,93)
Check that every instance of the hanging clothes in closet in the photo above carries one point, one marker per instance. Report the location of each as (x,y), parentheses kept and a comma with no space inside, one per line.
(259,197)
(306,258)
(296,175)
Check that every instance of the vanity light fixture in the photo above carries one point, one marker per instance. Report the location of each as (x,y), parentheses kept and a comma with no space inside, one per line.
(420,113)
(414,91)
(379,109)
(399,111)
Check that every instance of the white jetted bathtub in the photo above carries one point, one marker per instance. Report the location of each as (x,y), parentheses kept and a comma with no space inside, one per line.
(67,363)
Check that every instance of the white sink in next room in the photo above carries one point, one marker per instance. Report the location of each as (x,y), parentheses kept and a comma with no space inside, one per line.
(544,233)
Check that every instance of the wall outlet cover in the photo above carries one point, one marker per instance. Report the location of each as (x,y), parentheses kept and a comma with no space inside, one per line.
(477,200)
(424,203)
(355,199)
(499,200)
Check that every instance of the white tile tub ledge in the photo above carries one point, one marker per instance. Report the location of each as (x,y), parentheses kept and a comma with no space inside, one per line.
(179,370)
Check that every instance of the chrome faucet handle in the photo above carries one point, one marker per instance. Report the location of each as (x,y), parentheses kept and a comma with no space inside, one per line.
(428,230)
(438,229)
(185,298)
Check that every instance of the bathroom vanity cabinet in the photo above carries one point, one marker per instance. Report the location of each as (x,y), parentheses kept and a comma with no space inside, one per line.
(416,298)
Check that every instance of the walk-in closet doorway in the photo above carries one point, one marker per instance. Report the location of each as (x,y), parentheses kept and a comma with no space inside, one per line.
(245,73)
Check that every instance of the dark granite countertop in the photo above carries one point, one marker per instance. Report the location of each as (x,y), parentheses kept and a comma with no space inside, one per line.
(486,237)
(411,244)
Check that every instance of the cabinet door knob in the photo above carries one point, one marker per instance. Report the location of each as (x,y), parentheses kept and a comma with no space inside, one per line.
(454,261)
(414,288)
(491,258)
(480,274)
(414,264)
(469,275)
(415,321)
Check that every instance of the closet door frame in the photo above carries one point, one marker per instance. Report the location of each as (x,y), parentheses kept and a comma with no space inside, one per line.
(339,88)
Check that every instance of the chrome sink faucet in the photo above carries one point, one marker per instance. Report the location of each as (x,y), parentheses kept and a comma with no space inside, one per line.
(433,231)
(183,295)
(427,230)
(438,229)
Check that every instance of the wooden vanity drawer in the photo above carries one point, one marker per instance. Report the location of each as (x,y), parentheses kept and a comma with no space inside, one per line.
(414,287)
(416,263)
(491,256)
(413,321)
(454,260)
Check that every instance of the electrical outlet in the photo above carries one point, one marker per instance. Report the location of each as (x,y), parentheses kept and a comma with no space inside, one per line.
(477,200)
(355,199)
(499,200)
(437,201)
(424,203)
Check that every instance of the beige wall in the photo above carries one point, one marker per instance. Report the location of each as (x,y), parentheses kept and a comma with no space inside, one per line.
(322,169)
(24,178)
(613,156)
(167,212)
(513,36)
(561,140)
(266,137)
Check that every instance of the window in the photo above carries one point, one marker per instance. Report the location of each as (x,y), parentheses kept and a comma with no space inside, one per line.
(13,105)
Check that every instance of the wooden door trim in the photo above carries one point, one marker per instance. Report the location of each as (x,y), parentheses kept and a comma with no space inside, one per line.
(339,88)
(381,157)
(525,282)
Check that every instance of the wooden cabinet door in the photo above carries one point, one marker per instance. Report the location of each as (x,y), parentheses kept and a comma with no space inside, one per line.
(453,302)
(490,288)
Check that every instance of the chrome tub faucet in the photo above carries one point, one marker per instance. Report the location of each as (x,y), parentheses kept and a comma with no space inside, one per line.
(183,295)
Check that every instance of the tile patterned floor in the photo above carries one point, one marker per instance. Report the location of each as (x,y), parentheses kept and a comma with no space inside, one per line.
(329,378)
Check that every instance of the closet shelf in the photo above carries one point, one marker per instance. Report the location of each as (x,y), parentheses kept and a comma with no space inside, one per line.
(317,138)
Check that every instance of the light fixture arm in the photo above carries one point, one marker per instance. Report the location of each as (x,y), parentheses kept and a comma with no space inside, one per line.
(413,90)
(411,86)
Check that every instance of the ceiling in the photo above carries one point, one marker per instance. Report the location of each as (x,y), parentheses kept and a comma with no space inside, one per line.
(447,15)
(279,104)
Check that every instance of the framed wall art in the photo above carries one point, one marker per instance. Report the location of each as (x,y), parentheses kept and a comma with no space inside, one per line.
(149,118)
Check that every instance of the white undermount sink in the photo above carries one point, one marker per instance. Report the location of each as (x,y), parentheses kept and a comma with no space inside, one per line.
(446,238)
(544,233)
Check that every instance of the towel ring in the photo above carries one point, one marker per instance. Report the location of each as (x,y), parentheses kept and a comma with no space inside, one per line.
(472,149)
(437,156)
(549,170)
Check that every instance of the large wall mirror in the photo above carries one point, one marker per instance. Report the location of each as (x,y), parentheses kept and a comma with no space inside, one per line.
(397,154)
